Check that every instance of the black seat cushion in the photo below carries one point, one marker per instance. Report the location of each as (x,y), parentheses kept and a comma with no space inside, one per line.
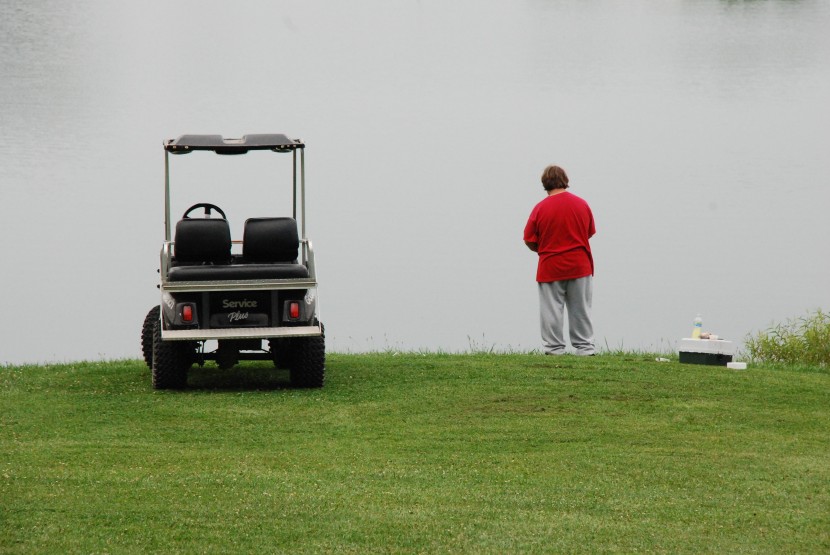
(203,240)
(268,240)
(238,271)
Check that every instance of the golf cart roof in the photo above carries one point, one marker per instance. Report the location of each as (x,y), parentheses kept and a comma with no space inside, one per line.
(221,145)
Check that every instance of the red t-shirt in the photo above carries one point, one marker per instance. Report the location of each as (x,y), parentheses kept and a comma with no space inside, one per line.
(561,225)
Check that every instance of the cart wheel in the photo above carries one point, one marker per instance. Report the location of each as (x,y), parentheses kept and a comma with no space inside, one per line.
(308,361)
(171,361)
(147,335)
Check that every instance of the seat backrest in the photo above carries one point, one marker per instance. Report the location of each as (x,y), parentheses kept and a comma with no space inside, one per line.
(203,240)
(270,240)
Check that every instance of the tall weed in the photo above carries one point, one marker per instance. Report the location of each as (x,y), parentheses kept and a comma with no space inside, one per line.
(804,340)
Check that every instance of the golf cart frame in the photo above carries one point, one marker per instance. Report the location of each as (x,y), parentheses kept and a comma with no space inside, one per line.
(265,294)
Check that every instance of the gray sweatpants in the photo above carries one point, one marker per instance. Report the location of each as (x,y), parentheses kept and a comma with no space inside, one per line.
(576,295)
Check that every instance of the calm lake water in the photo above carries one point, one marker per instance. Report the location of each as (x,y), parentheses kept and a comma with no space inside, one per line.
(696,129)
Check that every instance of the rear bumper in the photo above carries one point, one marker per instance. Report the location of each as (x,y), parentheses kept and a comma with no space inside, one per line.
(240,333)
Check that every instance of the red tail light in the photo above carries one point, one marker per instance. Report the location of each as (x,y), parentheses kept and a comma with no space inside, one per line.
(294,310)
(187,313)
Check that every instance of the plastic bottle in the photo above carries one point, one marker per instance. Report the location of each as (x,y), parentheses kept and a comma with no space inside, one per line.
(698,327)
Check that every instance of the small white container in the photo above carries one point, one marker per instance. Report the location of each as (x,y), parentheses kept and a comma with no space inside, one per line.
(736,365)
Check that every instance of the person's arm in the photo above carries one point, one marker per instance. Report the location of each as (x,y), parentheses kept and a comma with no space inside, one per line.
(530,237)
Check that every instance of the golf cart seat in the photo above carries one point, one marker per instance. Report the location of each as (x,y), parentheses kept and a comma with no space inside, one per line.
(202,241)
(270,248)
(270,241)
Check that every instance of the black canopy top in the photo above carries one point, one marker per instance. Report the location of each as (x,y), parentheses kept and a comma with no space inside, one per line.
(221,145)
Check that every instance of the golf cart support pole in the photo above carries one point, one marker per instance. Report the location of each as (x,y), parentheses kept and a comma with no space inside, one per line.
(167,236)
(302,190)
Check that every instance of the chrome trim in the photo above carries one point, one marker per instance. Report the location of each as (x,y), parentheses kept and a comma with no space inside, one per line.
(166,258)
(308,259)
(240,333)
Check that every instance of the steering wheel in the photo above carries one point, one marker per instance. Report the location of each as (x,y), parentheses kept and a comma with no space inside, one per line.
(208,208)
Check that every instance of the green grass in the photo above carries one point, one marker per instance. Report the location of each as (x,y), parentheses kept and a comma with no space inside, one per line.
(413,453)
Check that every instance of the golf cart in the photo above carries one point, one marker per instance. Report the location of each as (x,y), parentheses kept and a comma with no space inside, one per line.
(255,298)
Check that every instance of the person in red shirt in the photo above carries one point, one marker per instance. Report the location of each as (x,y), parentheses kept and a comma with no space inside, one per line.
(558,229)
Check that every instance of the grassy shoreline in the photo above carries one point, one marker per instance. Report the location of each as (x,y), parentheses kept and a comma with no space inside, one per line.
(418,452)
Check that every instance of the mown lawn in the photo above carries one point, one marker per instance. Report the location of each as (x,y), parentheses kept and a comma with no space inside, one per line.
(411,453)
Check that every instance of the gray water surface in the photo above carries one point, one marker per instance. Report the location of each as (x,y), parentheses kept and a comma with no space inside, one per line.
(697,131)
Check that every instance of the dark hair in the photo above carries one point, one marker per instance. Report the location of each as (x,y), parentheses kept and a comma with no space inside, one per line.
(554,177)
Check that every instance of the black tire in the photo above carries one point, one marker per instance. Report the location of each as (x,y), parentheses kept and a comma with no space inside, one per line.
(147,335)
(171,361)
(308,361)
